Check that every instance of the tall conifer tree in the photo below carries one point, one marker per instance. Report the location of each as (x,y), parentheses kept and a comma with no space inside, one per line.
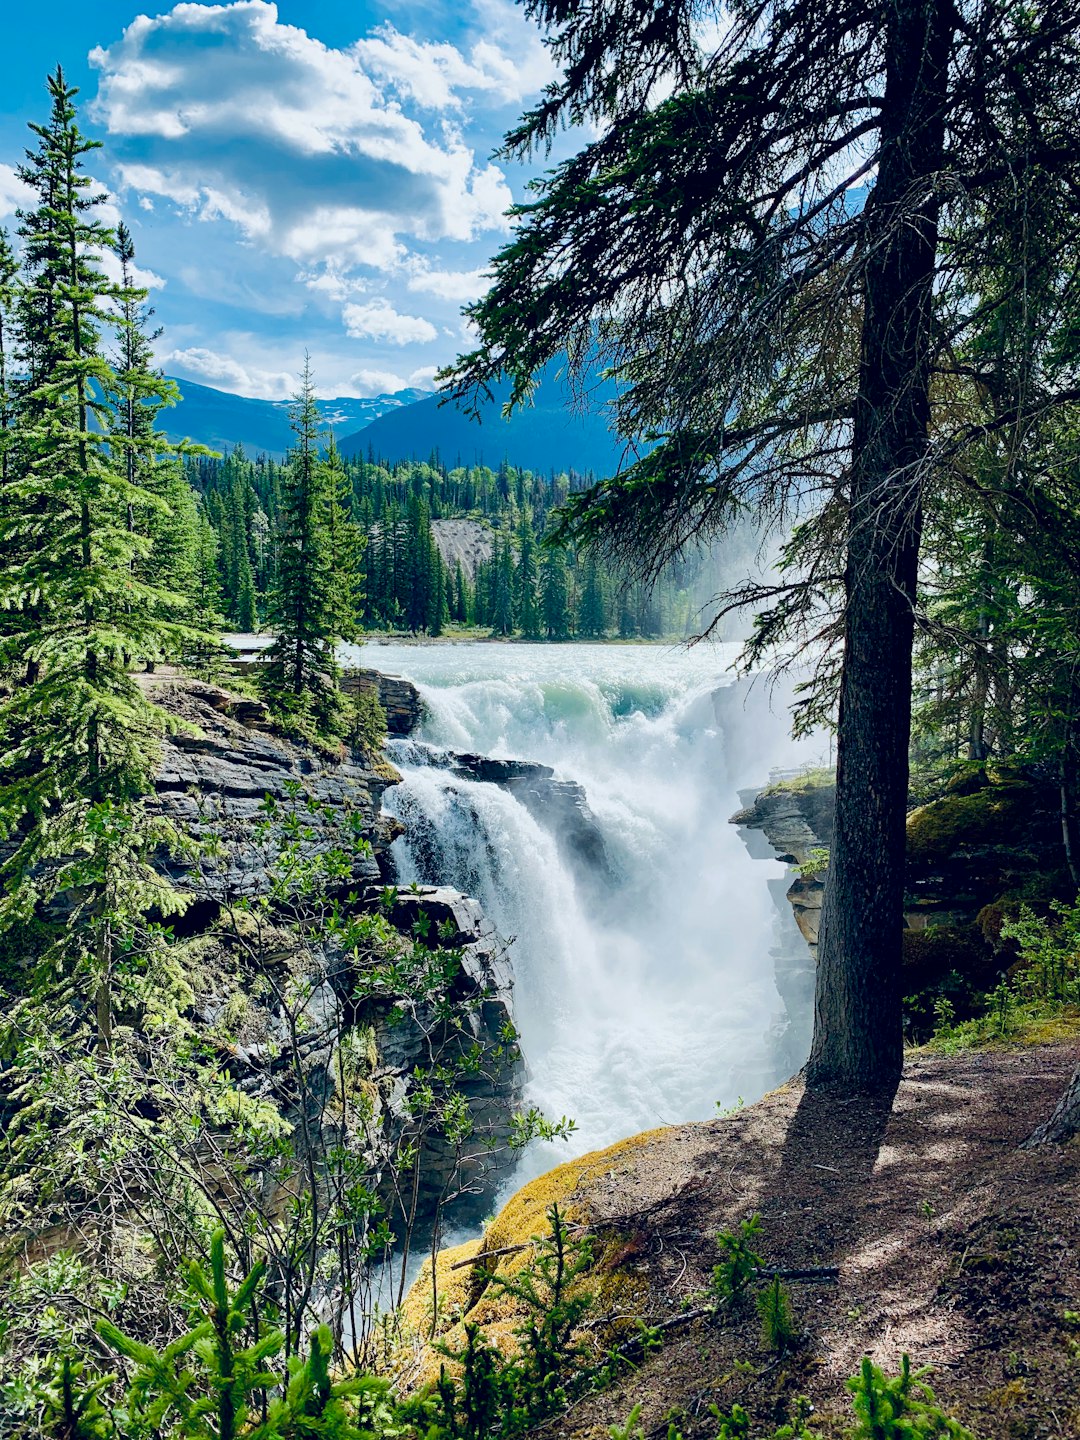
(298,676)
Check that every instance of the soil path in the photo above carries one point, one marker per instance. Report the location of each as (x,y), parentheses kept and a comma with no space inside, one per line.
(952,1243)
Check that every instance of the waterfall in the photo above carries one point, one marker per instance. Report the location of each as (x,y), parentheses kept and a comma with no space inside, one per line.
(652,998)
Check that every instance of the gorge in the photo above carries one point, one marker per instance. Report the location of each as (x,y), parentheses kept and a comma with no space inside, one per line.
(657,977)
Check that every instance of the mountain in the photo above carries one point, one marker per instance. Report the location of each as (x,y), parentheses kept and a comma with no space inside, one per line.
(546,435)
(221,420)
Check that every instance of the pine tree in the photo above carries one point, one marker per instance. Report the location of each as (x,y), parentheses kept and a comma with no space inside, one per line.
(528,611)
(554,593)
(78,739)
(298,676)
(780,258)
(592,621)
(9,291)
(345,545)
(151,465)
(81,728)
(501,616)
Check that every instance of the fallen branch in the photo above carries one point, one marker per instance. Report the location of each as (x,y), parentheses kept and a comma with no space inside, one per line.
(805,1272)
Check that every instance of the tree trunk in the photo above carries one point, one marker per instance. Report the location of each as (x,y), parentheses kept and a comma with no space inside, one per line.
(1064,1123)
(858,1041)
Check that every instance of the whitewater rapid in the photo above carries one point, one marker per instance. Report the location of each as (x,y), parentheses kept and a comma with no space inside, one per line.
(650,999)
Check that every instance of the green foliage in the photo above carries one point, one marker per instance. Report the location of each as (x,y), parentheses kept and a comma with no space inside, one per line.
(367,720)
(1040,988)
(900,1407)
(739,1261)
(816,862)
(777,1323)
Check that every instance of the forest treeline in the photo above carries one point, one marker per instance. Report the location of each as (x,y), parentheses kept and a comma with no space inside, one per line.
(520,586)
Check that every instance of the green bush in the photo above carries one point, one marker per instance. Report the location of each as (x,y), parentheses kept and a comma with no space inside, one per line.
(367,722)
(738,1261)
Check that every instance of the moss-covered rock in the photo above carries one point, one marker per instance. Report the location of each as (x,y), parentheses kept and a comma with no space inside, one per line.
(462,1291)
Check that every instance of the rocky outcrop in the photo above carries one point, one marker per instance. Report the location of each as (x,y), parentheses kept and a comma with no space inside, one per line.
(217,770)
(796,822)
(790,824)
(292,1013)
(399,698)
(560,806)
(301,1025)
(474,1016)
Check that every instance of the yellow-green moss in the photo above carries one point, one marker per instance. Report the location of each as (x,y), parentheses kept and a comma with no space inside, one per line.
(464,1293)
(818,779)
(934,831)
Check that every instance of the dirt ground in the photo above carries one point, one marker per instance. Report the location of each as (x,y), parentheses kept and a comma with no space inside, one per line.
(953,1244)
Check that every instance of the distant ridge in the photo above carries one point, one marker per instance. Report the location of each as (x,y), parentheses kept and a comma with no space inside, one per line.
(223,421)
(546,435)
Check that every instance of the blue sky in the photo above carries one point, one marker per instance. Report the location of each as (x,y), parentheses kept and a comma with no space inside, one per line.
(309,174)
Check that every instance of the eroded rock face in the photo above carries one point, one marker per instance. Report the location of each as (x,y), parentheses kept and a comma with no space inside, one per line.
(290,1012)
(341,1062)
(215,774)
(407,1033)
(795,823)
(790,825)
(561,806)
(399,698)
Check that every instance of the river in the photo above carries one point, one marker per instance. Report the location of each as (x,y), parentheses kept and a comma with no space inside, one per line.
(653,999)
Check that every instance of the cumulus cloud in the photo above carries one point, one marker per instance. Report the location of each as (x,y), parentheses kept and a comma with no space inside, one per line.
(142,278)
(378,320)
(433,73)
(225,373)
(14,195)
(459,286)
(235,116)
(366,383)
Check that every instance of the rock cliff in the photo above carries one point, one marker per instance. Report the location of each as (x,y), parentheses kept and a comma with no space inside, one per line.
(286,1007)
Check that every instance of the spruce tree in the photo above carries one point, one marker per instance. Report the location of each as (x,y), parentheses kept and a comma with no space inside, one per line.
(80,727)
(777,238)
(298,678)
(9,291)
(592,621)
(554,593)
(78,738)
(345,545)
(528,610)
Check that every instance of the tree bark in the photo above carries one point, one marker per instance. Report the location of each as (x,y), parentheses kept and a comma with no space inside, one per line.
(858,1040)
(1064,1123)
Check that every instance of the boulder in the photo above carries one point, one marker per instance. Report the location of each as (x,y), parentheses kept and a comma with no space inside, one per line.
(399,698)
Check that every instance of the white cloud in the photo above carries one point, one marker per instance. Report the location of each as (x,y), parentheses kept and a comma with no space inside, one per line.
(225,373)
(459,286)
(366,383)
(423,378)
(307,149)
(432,73)
(378,320)
(141,279)
(14,195)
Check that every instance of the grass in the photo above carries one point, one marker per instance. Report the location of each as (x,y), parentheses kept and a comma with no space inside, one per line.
(811,779)
(1023,1023)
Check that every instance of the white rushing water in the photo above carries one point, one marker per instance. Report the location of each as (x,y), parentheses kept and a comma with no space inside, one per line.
(649,999)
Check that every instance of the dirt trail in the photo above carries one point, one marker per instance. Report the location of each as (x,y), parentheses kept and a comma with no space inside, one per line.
(952,1243)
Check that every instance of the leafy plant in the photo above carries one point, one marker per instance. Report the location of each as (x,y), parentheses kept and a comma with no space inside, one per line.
(777,1322)
(738,1260)
(901,1407)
